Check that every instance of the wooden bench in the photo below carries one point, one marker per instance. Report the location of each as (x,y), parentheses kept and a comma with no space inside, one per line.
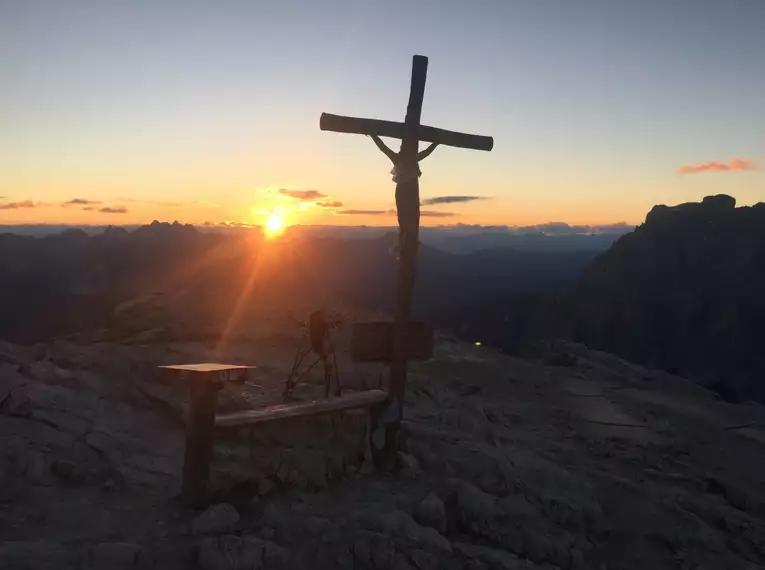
(371,342)
(355,400)
(205,380)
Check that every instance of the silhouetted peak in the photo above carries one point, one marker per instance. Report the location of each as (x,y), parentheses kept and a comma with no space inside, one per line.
(114,234)
(74,234)
(115,230)
(721,202)
(709,206)
(167,228)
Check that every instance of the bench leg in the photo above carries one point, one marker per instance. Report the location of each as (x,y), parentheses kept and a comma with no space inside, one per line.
(385,420)
(200,432)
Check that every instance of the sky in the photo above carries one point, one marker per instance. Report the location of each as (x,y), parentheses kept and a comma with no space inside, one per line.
(117,111)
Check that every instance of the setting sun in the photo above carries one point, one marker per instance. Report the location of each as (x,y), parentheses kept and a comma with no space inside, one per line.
(274,225)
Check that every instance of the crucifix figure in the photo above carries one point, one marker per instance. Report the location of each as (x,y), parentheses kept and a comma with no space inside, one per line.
(407,210)
(406,174)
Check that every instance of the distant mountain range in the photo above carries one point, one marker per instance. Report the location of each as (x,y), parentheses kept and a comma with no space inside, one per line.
(163,274)
(459,238)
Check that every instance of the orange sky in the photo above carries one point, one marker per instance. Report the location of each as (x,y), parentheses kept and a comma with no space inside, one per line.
(312,209)
(197,112)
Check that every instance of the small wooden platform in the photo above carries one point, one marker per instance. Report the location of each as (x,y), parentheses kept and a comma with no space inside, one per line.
(365,399)
(213,371)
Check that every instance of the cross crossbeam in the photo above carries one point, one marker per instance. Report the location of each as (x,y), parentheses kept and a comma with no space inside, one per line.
(393,129)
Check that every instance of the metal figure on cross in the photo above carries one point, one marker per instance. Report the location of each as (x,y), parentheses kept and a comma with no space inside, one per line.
(403,172)
(399,167)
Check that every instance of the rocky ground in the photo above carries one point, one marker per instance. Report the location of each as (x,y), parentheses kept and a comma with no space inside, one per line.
(576,460)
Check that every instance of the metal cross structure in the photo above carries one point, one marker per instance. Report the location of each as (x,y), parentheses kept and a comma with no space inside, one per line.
(406,175)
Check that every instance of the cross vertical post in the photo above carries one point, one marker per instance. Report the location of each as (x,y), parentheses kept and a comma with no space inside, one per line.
(408,210)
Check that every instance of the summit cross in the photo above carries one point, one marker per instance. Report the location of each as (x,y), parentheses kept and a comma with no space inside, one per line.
(406,175)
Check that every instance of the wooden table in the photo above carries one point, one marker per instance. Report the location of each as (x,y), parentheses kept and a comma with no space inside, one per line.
(205,379)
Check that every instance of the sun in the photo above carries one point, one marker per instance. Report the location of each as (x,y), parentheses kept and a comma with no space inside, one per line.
(274,225)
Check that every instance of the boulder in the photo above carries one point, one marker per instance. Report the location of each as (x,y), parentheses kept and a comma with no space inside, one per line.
(218,519)
(474,506)
(410,467)
(230,552)
(265,486)
(483,556)
(34,555)
(431,512)
(403,526)
(117,556)
(68,471)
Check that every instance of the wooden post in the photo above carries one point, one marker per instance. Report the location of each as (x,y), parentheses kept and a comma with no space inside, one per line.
(200,435)
(204,381)
(408,208)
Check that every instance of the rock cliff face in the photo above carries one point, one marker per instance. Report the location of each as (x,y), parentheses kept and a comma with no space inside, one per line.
(684,292)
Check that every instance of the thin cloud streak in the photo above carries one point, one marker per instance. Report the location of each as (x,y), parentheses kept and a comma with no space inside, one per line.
(81,202)
(18,205)
(364,212)
(733,165)
(451,200)
(301,194)
(113,210)
(423,213)
(329,204)
(166,203)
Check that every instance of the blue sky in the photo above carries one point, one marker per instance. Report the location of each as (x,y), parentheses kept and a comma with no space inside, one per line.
(203,110)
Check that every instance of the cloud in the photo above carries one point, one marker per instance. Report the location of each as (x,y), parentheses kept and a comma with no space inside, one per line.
(329,204)
(164,203)
(302,194)
(364,212)
(561,229)
(89,208)
(81,202)
(423,213)
(228,224)
(113,210)
(733,165)
(451,200)
(18,205)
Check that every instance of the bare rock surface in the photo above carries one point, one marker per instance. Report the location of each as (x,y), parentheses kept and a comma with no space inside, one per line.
(580,462)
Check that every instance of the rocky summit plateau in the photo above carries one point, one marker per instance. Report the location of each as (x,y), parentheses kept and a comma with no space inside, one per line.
(569,458)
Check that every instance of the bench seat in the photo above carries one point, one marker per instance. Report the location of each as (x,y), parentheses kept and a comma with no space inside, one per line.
(365,399)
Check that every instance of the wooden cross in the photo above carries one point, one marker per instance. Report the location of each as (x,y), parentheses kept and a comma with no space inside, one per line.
(406,174)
